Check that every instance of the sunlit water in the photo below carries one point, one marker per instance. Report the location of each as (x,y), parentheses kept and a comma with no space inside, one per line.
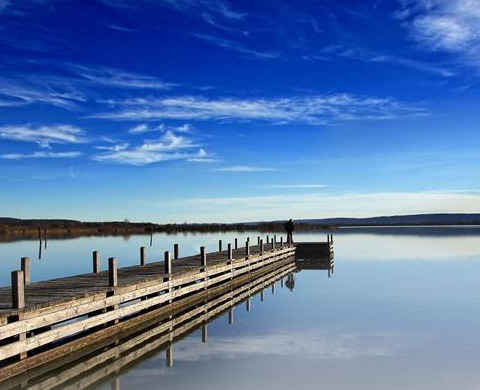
(402,310)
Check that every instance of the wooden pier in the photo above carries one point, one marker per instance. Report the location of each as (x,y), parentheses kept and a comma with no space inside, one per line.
(45,323)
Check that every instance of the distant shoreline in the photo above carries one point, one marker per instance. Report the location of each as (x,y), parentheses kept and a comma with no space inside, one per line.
(12,229)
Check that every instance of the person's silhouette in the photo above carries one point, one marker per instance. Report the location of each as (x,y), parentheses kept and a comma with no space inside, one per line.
(289,227)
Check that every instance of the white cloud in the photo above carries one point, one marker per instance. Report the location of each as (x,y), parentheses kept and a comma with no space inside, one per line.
(23,92)
(19,156)
(117,78)
(239,48)
(244,168)
(320,205)
(318,109)
(448,25)
(298,186)
(166,148)
(43,135)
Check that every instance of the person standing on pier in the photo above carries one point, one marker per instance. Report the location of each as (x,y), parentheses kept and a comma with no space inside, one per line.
(289,227)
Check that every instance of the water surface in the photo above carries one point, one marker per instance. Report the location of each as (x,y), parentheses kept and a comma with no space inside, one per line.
(400,311)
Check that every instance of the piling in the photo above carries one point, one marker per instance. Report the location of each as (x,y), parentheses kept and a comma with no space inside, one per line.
(219,245)
(96,261)
(112,272)
(18,290)
(247,248)
(229,252)
(168,264)
(25,266)
(176,252)
(204,333)
(236,243)
(143,255)
(203,257)
(261,246)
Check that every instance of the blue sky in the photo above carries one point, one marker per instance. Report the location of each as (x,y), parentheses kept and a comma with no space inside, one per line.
(213,110)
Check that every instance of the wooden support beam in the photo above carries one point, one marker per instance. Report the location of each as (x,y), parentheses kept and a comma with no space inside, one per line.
(25,266)
(236,243)
(96,262)
(229,252)
(219,245)
(268,239)
(230,316)
(248,304)
(204,333)
(112,272)
(18,290)
(261,247)
(143,255)
(247,248)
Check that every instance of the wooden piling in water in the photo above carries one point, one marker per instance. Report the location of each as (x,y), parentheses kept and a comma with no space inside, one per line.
(236,243)
(204,333)
(143,255)
(18,290)
(219,245)
(247,248)
(112,272)
(96,261)
(261,247)
(203,257)
(229,253)
(176,252)
(168,264)
(25,267)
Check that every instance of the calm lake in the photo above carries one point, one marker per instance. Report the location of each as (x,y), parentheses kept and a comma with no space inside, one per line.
(402,310)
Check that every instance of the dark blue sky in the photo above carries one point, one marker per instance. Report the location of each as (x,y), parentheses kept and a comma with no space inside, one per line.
(209,110)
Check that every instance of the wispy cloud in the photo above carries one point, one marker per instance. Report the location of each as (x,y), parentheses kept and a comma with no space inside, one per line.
(318,109)
(320,205)
(448,25)
(19,93)
(239,48)
(166,148)
(298,186)
(217,7)
(244,168)
(117,78)
(43,135)
(368,56)
(19,156)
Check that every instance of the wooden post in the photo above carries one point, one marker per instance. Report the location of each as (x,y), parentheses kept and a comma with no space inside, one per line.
(96,261)
(229,252)
(331,238)
(168,264)
(236,243)
(230,316)
(112,272)
(26,269)
(262,295)
(219,245)
(248,304)
(273,244)
(18,290)
(247,248)
(248,240)
(261,247)
(268,239)
(204,333)
(258,240)
(274,238)
(203,257)
(143,255)
(115,384)
(175,252)
(281,241)
(273,288)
